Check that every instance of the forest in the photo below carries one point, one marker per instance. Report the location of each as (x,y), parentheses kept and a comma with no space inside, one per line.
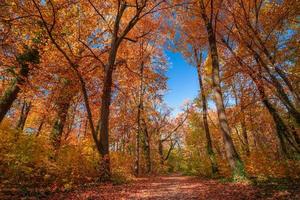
(83,113)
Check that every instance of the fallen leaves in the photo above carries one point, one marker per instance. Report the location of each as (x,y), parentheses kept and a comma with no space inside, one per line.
(177,187)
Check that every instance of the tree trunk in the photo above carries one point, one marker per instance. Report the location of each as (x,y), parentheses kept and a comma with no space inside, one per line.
(283,132)
(40,127)
(209,147)
(161,152)
(288,83)
(63,103)
(272,60)
(148,156)
(146,148)
(245,135)
(58,127)
(23,115)
(233,158)
(104,114)
(11,93)
(245,140)
(140,108)
(280,90)
(296,136)
(281,128)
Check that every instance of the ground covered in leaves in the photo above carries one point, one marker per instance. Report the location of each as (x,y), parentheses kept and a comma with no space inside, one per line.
(181,187)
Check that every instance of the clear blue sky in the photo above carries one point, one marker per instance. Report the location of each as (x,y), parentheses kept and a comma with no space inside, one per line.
(182,83)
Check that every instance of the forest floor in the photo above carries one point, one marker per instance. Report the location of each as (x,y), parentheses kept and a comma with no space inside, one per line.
(178,187)
(184,187)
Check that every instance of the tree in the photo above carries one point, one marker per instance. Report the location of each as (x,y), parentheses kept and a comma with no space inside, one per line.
(119,32)
(63,102)
(211,23)
(26,106)
(29,56)
(209,147)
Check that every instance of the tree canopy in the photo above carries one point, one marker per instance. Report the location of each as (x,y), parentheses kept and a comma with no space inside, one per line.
(82,87)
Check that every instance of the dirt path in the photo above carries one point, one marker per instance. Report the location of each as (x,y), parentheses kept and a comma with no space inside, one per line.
(178,187)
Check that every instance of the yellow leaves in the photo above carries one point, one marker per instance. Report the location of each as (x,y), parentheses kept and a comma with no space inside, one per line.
(208,65)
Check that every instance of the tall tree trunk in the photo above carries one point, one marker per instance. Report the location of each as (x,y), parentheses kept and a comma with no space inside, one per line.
(23,115)
(137,147)
(140,108)
(233,158)
(104,115)
(209,147)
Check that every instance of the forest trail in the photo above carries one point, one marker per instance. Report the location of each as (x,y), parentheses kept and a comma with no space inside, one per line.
(181,188)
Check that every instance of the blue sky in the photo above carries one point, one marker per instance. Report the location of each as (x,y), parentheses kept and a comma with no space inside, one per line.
(182,83)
